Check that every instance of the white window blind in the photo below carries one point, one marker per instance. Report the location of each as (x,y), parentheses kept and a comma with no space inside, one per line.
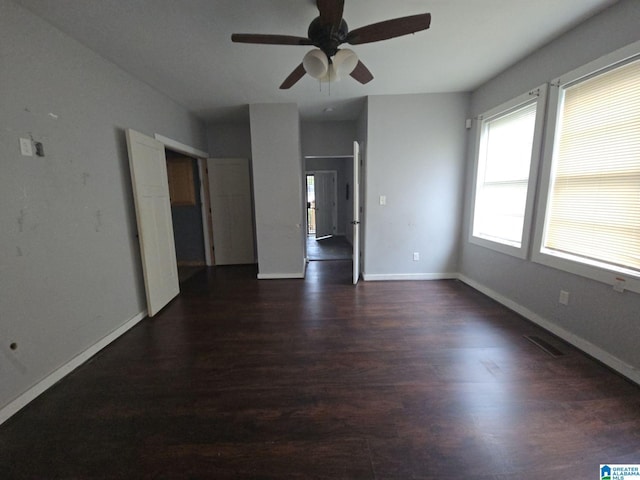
(503,175)
(594,211)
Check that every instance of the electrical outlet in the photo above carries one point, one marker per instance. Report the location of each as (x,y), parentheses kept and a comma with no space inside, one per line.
(416,256)
(564,297)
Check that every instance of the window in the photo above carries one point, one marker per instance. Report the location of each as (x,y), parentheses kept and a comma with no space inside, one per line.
(592,196)
(506,167)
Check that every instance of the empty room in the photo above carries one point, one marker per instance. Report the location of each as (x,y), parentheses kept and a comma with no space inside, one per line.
(353,239)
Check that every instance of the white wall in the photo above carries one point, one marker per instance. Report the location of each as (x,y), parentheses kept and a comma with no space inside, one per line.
(597,318)
(69,259)
(415,154)
(278,189)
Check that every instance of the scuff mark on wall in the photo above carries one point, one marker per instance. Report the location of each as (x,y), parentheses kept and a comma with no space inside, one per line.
(98,220)
(21,219)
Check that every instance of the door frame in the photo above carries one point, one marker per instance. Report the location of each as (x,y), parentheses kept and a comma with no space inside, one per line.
(356,212)
(201,159)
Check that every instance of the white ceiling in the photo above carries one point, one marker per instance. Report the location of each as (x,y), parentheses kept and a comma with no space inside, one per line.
(183,48)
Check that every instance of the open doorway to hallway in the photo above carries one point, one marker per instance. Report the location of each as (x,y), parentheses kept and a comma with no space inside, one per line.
(328,182)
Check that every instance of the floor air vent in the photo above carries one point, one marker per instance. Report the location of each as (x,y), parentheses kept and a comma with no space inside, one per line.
(544,346)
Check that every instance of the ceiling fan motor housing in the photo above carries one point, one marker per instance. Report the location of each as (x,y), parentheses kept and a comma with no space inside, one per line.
(327,37)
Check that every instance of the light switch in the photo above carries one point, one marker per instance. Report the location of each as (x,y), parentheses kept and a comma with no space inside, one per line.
(564,297)
(26,148)
(383,199)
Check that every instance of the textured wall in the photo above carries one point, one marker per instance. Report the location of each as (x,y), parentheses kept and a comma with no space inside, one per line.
(415,156)
(278,189)
(70,270)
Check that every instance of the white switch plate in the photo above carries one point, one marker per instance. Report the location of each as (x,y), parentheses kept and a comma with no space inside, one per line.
(26,148)
(564,297)
(383,199)
(416,256)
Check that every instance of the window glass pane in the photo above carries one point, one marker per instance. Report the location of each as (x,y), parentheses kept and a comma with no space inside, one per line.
(595,197)
(509,144)
(503,174)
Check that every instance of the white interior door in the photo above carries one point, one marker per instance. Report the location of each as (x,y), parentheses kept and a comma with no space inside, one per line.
(356,212)
(325,191)
(153,212)
(231,210)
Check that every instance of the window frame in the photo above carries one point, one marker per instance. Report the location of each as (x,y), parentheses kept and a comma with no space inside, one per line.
(595,270)
(538,96)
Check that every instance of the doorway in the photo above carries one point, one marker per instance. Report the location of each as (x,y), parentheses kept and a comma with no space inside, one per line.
(327,181)
(322,203)
(186,213)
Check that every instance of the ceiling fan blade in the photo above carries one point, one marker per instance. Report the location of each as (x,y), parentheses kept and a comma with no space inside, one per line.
(362,73)
(293,78)
(330,11)
(389,29)
(269,39)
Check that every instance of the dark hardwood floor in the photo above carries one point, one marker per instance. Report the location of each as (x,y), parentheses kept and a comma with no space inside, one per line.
(246,379)
(328,248)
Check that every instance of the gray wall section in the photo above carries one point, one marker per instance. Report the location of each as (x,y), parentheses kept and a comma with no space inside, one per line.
(415,157)
(229,140)
(70,270)
(596,313)
(278,188)
(328,139)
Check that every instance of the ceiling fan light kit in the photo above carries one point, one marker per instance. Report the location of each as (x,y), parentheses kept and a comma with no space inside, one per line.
(327,32)
(319,66)
(316,63)
(345,61)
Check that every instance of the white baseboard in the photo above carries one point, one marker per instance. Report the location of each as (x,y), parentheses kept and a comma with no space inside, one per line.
(279,276)
(378,277)
(20,402)
(589,348)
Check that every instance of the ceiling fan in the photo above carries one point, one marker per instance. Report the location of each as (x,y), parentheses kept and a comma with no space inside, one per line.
(327,32)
